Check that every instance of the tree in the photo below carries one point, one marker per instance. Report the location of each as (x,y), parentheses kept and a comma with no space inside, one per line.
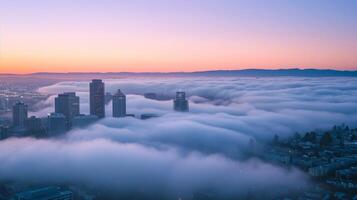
(347,128)
(306,137)
(326,139)
(297,136)
(309,137)
(313,137)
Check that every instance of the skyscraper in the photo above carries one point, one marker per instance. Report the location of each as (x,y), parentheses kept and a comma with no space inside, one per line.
(180,102)
(97,98)
(119,104)
(67,104)
(19,114)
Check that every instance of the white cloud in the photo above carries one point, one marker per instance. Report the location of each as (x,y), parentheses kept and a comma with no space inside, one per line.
(185,152)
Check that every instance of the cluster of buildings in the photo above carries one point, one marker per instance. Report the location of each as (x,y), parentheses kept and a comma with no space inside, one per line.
(10,93)
(14,191)
(45,193)
(67,112)
(330,158)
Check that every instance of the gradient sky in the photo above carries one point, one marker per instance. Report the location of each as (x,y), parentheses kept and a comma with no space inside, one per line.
(176,35)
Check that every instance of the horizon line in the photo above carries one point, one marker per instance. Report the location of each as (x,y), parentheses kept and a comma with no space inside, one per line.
(181,72)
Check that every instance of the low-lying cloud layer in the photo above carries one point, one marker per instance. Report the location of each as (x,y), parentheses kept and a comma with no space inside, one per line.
(258,107)
(120,168)
(181,153)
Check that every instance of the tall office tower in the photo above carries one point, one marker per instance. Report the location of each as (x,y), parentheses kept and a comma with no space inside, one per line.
(119,104)
(19,114)
(67,104)
(180,102)
(97,98)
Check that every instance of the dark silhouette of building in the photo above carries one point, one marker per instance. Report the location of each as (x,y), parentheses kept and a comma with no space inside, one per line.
(34,127)
(148,116)
(67,104)
(180,102)
(119,104)
(19,114)
(97,98)
(83,120)
(56,124)
(33,123)
(4,131)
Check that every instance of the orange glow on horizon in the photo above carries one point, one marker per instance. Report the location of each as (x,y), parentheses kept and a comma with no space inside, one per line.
(110,41)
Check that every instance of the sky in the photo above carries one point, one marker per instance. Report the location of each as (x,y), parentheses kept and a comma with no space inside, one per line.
(176,35)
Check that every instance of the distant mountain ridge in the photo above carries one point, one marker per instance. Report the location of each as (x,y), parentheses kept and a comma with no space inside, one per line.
(283,72)
(240,73)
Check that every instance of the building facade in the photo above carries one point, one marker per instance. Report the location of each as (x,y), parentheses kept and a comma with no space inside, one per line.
(180,102)
(119,104)
(19,114)
(67,104)
(97,98)
(56,124)
(83,120)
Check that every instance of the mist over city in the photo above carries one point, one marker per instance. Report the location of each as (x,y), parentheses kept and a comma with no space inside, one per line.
(178,100)
(218,143)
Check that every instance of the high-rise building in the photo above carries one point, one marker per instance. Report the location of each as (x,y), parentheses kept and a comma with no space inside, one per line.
(119,104)
(67,104)
(97,98)
(56,124)
(180,102)
(19,114)
(33,123)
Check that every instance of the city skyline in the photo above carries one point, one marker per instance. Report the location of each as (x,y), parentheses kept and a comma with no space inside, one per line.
(67,113)
(167,36)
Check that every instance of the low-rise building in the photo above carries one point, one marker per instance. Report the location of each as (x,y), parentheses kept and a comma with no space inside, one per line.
(83,120)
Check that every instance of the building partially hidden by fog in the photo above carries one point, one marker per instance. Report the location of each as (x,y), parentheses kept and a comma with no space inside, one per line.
(33,123)
(67,104)
(148,116)
(19,114)
(119,104)
(97,98)
(83,120)
(180,102)
(56,123)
